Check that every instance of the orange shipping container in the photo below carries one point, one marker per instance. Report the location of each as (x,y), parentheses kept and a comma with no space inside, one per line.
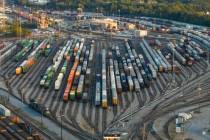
(30,62)
(68,57)
(66,93)
(75,65)
(65,96)
(76,49)
(71,75)
(15,119)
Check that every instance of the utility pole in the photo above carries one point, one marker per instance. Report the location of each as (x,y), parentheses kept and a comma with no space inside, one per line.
(61,116)
(21,95)
(207,53)
(131,111)
(41,107)
(173,80)
(97,13)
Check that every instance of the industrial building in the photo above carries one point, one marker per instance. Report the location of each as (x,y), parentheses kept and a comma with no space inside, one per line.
(106,23)
(39,2)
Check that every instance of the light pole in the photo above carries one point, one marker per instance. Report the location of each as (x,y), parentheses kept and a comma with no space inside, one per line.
(61,116)
(207,53)
(119,12)
(21,95)
(41,117)
(97,12)
(173,78)
(199,94)
(173,62)
(131,111)
(20,28)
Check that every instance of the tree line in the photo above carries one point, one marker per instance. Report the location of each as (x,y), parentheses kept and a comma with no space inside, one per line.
(191,11)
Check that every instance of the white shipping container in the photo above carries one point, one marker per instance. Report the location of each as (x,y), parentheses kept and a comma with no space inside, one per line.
(130,83)
(137,86)
(4,111)
(58,84)
(179,120)
(179,129)
(60,76)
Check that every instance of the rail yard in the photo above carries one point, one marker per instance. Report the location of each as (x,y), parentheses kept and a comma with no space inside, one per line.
(96,78)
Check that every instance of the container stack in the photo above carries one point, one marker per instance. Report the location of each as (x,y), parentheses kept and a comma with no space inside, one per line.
(74,75)
(31,59)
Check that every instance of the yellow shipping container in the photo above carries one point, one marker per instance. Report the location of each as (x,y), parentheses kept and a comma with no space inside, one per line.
(104,104)
(18,70)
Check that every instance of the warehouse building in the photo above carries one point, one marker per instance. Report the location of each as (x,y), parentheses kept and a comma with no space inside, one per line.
(39,2)
(106,23)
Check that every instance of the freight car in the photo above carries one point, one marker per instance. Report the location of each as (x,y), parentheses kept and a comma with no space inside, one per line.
(136,85)
(80,87)
(27,47)
(150,59)
(177,55)
(130,83)
(113,84)
(71,84)
(98,94)
(5,47)
(169,67)
(152,71)
(104,92)
(8,53)
(32,58)
(39,108)
(154,55)
(85,97)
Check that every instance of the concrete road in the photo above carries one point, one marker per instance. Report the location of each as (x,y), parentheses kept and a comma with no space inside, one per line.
(47,123)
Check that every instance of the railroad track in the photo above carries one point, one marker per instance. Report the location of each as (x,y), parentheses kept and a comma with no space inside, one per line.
(172,93)
(163,108)
(54,99)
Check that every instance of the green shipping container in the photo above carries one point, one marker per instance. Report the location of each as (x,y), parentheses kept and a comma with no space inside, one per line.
(47,83)
(25,68)
(20,55)
(47,52)
(65,64)
(72,95)
(79,95)
(50,75)
(63,70)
